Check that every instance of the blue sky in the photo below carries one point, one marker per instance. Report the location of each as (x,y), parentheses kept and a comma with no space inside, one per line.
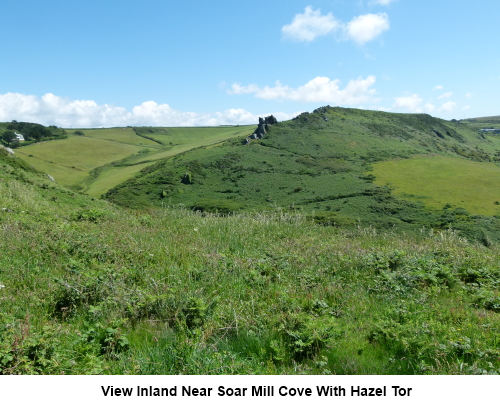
(159,62)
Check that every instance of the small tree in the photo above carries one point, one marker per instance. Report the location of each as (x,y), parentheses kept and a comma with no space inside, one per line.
(8,136)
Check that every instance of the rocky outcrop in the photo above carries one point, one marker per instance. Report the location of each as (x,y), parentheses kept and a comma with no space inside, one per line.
(262,128)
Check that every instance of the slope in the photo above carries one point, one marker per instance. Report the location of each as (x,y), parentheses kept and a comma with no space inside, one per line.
(88,288)
(320,163)
(95,160)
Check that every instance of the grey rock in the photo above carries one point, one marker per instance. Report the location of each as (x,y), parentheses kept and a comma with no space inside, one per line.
(9,150)
(262,129)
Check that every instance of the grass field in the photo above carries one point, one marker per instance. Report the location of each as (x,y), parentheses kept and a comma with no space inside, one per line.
(88,288)
(70,161)
(74,156)
(111,176)
(121,135)
(483,122)
(192,135)
(440,180)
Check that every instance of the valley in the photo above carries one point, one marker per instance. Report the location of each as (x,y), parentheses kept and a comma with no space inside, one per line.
(342,242)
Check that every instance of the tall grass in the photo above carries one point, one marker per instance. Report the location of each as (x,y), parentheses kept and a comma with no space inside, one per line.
(87,288)
(173,291)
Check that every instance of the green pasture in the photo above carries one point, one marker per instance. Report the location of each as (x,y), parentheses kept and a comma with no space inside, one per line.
(62,174)
(440,180)
(122,135)
(183,139)
(70,160)
(483,122)
(195,135)
(112,176)
(73,156)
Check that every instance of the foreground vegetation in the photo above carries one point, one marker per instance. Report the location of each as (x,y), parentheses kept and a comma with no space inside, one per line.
(86,287)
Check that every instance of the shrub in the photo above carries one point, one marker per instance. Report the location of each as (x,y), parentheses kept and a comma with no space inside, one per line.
(187,178)
(217,206)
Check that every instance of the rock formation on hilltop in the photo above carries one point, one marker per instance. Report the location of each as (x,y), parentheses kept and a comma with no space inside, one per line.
(262,128)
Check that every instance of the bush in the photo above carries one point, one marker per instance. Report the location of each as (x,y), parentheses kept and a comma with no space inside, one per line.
(217,206)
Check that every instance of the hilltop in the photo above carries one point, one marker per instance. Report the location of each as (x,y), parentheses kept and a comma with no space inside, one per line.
(328,164)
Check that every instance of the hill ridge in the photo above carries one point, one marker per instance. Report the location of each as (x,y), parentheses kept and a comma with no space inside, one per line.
(305,163)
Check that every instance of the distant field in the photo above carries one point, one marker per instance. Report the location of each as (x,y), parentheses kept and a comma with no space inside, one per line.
(483,122)
(491,118)
(440,180)
(70,160)
(183,135)
(112,176)
(122,135)
(187,139)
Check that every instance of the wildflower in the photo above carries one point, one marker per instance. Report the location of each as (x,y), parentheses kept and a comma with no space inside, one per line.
(2,286)
(196,229)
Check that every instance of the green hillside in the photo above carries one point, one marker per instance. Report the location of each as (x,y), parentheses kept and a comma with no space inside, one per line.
(89,288)
(322,164)
(95,160)
(440,180)
(70,160)
(492,122)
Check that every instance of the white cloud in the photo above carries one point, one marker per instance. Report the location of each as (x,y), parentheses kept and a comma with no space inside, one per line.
(54,110)
(365,28)
(446,95)
(319,89)
(448,107)
(469,95)
(438,87)
(306,27)
(414,103)
(429,108)
(410,103)
(312,24)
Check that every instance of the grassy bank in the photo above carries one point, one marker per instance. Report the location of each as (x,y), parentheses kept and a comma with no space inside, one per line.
(90,288)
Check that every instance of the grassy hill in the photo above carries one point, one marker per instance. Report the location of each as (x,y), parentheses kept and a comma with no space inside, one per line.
(494,118)
(327,164)
(440,180)
(95,160)
(492,122)
(89,288)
